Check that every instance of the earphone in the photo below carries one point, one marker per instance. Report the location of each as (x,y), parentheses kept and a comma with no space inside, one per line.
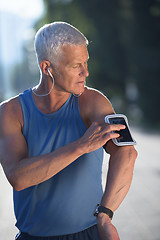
(43,95)
(49,73)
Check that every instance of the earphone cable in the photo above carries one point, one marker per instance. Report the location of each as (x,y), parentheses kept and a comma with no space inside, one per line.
(43,95)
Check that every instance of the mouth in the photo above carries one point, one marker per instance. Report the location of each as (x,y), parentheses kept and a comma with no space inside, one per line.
(81,82)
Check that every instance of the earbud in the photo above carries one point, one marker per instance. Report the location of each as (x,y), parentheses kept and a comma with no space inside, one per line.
(50,73)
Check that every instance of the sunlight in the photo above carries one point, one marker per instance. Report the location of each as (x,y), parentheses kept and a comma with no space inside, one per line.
(24,8)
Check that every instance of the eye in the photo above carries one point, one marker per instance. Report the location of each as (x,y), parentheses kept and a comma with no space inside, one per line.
(76,66)
(86,63)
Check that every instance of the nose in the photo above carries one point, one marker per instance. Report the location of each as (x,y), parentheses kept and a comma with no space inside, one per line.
(84,71)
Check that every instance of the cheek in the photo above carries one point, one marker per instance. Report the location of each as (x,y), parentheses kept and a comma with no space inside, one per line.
(67,76)
(72,74)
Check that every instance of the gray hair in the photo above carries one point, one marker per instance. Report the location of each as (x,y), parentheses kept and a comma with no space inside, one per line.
(50,38)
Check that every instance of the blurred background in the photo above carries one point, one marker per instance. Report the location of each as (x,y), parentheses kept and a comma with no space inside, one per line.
(124,49)
(124,37)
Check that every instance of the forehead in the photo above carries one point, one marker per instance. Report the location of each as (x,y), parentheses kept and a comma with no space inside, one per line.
(74,53)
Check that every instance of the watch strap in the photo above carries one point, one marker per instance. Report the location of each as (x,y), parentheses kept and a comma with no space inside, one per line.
(101,209)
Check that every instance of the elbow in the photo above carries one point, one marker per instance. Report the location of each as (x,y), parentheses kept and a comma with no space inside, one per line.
(16,182)
(17,187)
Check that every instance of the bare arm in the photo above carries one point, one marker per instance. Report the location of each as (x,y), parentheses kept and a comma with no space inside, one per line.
(120,172)
(22,171)
(119,178)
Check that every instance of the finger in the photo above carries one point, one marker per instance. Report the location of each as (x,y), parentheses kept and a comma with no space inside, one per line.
(110,135)
(115,127)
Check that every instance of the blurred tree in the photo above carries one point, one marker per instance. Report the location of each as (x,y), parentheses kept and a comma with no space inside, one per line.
(124,46)
(140,34)
(26,74)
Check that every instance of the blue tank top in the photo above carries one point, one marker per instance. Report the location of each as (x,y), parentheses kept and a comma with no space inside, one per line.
(65,203)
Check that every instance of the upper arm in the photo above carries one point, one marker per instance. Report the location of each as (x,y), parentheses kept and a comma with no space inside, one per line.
(13,146)
(94,106)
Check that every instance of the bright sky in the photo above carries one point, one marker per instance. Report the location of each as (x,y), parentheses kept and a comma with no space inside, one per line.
(17,17)
(24,8)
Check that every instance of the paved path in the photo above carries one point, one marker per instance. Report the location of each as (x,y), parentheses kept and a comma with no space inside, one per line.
(138,218)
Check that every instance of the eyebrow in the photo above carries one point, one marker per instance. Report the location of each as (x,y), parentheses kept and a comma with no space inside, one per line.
(78,62)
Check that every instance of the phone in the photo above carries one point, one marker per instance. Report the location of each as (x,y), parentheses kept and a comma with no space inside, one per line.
(125,137)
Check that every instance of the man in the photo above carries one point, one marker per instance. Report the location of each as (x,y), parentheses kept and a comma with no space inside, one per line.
(51,146)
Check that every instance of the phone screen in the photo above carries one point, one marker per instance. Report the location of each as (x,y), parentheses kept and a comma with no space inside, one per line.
(125,135)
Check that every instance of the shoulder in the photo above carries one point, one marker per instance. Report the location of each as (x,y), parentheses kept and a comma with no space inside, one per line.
(10,113)
(94,105)
(10,106)
(94,94)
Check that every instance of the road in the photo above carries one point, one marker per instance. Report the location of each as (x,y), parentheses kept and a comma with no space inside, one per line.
(138,217)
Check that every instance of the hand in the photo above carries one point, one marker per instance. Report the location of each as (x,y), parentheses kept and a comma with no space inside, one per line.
(98,134)
(106,229)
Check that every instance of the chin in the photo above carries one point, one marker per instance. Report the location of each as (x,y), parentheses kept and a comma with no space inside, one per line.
(81,90)
(78,91)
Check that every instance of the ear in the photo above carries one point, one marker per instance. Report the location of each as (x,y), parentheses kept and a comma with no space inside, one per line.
(45,65)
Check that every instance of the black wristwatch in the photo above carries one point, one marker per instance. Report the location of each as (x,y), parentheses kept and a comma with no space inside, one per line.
(101,209)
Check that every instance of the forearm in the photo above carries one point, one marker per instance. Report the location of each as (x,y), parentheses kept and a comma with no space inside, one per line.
(32,171)
(119,177)
(23,172)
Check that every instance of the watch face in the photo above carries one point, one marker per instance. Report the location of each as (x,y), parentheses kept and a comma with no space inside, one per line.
(96,211)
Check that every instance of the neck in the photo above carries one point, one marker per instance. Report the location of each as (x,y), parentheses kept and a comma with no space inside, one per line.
(52,102)
(44,88)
